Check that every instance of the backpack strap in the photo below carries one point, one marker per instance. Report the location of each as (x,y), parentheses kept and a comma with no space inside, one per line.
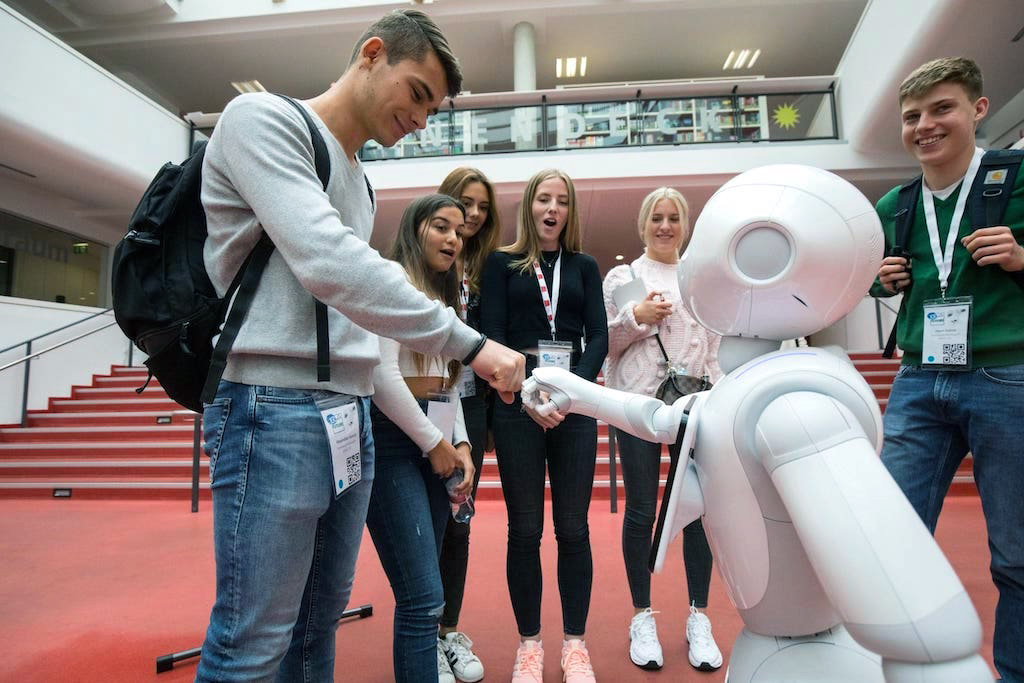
(243,286)
(989,200)
(906,205)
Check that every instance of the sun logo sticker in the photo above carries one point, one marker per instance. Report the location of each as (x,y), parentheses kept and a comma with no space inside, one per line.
(786,116)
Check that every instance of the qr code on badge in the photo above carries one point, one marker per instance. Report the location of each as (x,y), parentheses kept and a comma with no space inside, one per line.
(954,354)
(353,468)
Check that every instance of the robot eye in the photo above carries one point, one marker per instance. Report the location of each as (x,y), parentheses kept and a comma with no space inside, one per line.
(763,251)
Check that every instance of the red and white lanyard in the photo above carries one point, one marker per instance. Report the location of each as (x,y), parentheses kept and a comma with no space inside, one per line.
(550,302)
(464,297)
(944,260)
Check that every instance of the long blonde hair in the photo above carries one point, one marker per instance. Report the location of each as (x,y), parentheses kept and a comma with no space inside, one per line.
(478,247)
(407,250)
(527,242)
(674,196)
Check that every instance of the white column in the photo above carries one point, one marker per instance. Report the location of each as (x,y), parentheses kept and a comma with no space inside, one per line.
(524,57)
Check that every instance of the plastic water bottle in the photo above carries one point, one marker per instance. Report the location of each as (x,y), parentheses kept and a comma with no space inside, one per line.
(462,503)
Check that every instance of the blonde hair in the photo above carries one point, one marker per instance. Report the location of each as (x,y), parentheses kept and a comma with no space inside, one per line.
(647,208)
(478,247)
(527,242)
(960,70)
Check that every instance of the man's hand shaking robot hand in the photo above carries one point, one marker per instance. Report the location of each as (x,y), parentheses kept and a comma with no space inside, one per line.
(832,572)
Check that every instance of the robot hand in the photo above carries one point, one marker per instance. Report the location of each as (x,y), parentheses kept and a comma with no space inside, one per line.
(642,416)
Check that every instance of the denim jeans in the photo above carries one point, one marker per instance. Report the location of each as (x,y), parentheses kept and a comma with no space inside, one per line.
(569,451)
(641,469)
(285,547)
(455,547)
(409,510)
(932,420)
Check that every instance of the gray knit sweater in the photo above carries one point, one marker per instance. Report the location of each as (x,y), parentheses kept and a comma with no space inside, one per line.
(259,175)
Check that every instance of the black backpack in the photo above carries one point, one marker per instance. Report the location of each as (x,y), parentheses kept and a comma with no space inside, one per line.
(986,207)
(163,298)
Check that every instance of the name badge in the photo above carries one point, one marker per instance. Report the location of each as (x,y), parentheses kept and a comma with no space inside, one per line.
(340,415)
(467,382)
(946,342)
(442,411)
(554,354)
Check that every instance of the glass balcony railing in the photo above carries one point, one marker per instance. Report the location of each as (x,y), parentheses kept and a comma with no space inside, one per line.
(624,123)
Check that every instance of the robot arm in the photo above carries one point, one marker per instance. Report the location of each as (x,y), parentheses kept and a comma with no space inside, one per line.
(883,571)
(642,416)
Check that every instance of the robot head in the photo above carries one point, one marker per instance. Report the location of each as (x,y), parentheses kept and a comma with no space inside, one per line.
(780,252)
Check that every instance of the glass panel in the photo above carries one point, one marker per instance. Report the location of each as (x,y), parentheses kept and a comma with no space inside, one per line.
(48,265)
(479,131)
(799,116)
(593,124)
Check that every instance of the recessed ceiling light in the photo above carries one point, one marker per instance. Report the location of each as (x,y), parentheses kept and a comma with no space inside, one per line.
(619,257)
(742,58)
(753,58)
(574,66)
(248,86)
(728,60)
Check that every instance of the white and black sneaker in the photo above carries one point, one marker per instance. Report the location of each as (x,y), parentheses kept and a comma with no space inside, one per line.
(704,653)
(644,648)
(464,664)
(444,670)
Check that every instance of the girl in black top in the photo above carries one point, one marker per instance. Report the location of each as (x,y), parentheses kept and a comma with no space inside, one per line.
(480,237)
(543,288)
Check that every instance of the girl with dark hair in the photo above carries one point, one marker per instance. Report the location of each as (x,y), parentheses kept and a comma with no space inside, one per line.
(412,455)
(480,237)
(542,295)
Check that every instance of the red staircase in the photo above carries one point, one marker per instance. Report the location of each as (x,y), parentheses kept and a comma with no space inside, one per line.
(106,441)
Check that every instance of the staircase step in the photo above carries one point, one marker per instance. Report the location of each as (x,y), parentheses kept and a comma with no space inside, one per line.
(123,393)
(99,432)
(95,448)
(64,468)
(104,486)
(176,416)
(72,405)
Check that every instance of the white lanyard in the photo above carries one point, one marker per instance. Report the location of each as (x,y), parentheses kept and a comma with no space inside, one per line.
(550,303)
(944,260)
(464,297)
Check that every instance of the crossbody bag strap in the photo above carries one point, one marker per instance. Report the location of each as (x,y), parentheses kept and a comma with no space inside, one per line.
(657,336)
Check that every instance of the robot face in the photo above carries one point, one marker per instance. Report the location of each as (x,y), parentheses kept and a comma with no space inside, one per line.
(780,252)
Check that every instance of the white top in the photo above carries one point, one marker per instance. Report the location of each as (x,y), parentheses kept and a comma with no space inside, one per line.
(392,396)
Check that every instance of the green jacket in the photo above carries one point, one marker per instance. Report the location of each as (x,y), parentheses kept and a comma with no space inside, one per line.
(997,334)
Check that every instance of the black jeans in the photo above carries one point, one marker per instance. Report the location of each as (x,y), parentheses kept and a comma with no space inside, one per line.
(455,547)
(569,451)
(641,464)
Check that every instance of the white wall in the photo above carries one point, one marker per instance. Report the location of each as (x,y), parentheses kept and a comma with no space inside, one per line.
(858,331)
(54,373)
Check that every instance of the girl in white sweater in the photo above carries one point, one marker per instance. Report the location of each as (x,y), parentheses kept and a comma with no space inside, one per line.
(637,364)
(412,455)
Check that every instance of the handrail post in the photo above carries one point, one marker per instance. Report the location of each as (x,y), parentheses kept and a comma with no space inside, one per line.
(613,483)
(24,390)
(131,353)
(197,430)
(878,323)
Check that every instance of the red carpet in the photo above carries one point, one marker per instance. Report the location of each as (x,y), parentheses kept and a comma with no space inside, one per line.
(95,590)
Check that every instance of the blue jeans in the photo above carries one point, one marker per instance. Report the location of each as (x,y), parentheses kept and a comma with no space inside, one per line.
(641,470)
(931,422)
(408,513)
(569,451)
(285,547)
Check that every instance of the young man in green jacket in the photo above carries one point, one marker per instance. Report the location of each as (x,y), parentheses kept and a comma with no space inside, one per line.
(960,387)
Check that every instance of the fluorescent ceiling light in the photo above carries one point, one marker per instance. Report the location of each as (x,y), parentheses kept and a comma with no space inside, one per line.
(738,59)
(757,53)
(574,66)
(742,59)
(583,67)
(558,68)
(728,60)
(248,86)
(570,67)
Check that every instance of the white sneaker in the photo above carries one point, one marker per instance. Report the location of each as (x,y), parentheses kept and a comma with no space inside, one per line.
(644,648)
(444,671)
(465,665)
(704,653)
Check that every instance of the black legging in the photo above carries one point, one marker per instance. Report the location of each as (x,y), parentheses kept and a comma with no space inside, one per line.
(455,547)
(569,452)
(641,466)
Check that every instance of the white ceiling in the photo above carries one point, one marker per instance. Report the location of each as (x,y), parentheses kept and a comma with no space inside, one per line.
(187,64)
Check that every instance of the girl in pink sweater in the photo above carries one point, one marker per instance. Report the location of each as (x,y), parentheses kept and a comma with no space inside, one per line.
(637,364)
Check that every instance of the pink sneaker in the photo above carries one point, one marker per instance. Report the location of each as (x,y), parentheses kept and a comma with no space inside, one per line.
(529,667)
(576,662)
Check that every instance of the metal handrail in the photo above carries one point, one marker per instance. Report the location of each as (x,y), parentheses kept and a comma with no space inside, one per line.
(54,331)
(878,319)
(29,357)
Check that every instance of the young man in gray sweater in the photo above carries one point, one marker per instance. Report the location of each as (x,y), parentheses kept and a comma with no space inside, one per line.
(289,501)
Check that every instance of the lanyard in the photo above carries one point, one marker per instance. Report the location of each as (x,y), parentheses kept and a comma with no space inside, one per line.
(550,303)
(944,260)
(464,297)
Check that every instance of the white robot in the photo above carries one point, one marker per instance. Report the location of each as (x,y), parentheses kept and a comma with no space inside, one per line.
(812,537)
